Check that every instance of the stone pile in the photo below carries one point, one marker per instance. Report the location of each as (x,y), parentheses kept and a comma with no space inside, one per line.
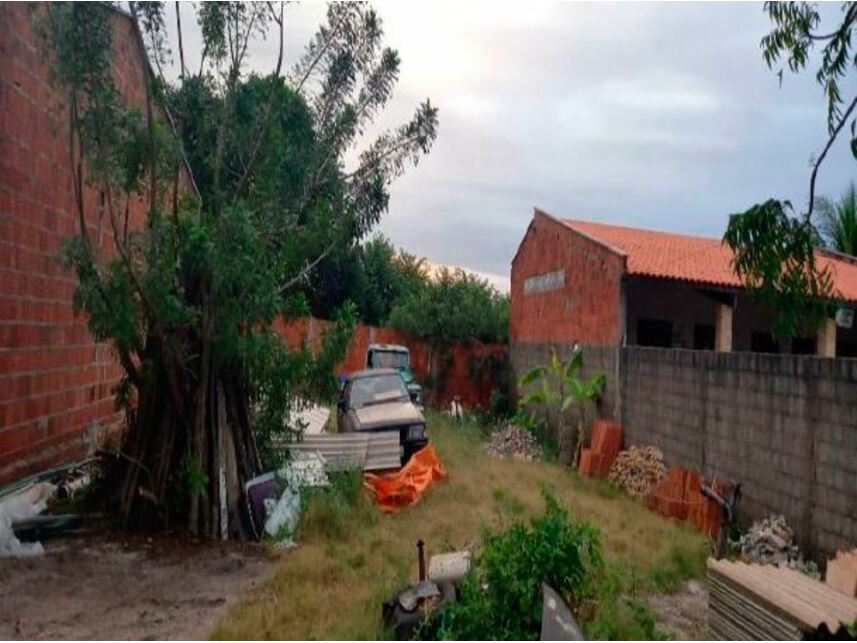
(638,469)
(514,441)
(771,542)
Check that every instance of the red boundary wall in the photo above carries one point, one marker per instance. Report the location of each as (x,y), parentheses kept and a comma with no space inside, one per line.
(462,368)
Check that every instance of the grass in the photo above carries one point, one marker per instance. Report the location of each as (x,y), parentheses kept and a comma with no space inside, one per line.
(352,557)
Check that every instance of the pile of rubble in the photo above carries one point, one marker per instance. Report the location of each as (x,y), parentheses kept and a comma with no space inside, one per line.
(514,441)
(771,542)
(638,469)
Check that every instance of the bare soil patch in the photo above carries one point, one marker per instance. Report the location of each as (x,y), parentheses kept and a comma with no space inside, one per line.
(108,585)
(684,614)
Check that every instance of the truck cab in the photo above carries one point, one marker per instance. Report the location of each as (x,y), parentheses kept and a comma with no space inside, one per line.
(396,357)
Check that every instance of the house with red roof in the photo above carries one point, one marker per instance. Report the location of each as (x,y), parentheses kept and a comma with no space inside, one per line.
(610,285)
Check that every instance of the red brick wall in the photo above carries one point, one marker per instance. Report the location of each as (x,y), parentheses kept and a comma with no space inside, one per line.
(586,308)
(472,386)
(56,383)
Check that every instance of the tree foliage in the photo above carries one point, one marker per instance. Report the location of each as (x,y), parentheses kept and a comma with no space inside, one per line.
(373,275)
(836,221)
(246,189)
(454,306)
(775,256)
(501,598)
(775,252)
(557,386)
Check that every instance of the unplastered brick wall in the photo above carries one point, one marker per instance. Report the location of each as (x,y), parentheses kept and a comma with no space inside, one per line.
(784,426)
(465,369)
(583,305)
(56,383)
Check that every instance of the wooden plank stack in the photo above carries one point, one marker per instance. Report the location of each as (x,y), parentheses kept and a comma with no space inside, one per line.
(766,602)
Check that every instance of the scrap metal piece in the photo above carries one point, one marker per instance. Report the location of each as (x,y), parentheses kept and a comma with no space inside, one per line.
(417,594)
(558,622)
(370,451)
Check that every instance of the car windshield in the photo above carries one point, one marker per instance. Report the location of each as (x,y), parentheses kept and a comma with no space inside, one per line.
(373,390)
(388,359)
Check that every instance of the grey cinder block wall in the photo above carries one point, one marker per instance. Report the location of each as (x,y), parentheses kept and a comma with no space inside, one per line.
(783,425)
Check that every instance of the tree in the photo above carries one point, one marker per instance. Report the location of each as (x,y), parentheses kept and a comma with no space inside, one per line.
(837,222)
(774,251)
(560,386)
(245,194)
(454,306)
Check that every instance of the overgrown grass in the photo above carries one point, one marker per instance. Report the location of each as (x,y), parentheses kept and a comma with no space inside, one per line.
(329,513)
(351,557)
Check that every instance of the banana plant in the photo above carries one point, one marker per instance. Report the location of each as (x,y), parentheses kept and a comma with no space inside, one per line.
(560,385)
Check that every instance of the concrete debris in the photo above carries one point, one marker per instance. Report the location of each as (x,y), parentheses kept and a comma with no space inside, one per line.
(638,470)
(771,542)
(514,441)
(449,568)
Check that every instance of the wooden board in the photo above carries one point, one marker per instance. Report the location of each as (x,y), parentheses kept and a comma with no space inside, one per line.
(769,602)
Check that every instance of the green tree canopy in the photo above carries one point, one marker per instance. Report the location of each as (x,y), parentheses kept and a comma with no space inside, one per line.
(454,306)
(247,190)
(775,250)
(837,221)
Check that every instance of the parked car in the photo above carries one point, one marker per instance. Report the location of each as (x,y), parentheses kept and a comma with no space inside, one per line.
(378,400)
(397,357)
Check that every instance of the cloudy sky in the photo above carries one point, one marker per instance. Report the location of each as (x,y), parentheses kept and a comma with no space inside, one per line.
(653,115)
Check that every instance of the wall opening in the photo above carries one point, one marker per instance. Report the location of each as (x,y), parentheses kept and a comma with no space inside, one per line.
(656,333)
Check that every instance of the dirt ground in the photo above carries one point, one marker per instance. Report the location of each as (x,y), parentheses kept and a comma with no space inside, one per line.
(106,585)
(684,614)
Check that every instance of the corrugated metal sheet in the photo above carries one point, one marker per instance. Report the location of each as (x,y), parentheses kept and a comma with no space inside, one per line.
(369,451)
(384,452)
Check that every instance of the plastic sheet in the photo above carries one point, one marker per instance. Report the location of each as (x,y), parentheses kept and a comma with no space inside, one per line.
(394,491)
(22,506)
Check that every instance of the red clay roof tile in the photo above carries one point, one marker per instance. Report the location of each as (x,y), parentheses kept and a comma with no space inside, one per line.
(692,258)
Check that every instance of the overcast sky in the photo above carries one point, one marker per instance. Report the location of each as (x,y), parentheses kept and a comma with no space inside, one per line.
(654,115)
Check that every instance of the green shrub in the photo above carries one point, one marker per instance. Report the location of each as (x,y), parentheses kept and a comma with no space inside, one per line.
(501,598)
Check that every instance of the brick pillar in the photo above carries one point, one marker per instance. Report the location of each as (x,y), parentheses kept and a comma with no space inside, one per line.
(723,329)
(826,342)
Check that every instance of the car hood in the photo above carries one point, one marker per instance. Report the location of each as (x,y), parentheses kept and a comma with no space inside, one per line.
(390,414)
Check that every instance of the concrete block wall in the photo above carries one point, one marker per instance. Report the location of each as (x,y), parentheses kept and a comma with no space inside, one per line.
(785,426)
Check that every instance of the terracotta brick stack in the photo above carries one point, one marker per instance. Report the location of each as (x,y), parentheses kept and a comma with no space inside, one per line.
(678,496)
(606,444)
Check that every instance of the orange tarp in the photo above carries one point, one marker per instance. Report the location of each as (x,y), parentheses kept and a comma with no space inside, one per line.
(403,488)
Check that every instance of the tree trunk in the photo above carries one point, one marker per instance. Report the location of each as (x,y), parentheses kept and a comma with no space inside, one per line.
(171,468)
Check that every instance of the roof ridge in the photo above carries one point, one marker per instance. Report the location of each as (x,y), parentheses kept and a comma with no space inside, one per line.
(701,237)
